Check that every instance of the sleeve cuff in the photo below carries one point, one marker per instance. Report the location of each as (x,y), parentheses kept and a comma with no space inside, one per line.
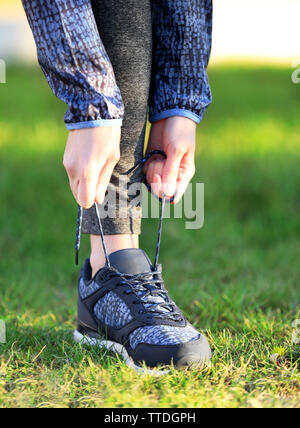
(175,112)
(94,124)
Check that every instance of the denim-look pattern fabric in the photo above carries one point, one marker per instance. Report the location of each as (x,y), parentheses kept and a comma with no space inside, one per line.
(181,49)
(163,335)
(87,290)
(79,71)
(74,60)
(112,311)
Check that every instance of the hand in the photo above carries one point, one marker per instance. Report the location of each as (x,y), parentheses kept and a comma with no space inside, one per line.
(89,159)
(175,136)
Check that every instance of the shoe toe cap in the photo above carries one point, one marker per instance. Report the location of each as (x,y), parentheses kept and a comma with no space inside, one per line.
(193,353)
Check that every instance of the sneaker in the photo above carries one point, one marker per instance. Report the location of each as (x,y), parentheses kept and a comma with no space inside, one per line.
(126,308)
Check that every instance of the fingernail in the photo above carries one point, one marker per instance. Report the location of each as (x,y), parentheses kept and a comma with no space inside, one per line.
(155,187)
(169,189)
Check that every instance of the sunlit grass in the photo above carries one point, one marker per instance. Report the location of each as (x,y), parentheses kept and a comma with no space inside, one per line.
(237,278)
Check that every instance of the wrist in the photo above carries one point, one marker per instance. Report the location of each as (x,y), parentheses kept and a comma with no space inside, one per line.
(175,112)
(182,121)
(101,123)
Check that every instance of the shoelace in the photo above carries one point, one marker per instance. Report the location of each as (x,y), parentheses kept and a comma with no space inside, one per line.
(146,286)
(155,299)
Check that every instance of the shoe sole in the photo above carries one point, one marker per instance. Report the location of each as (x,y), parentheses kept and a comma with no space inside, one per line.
(119,349)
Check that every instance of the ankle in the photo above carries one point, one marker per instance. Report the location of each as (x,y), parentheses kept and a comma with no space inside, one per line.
(113,243)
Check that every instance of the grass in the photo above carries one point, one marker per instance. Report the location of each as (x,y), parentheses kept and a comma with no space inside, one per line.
(237,280)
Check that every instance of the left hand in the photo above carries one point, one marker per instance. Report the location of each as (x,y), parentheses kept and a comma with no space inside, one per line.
(175,136)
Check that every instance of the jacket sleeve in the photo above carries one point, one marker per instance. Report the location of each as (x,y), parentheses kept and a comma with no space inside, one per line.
(74,61)
(182,32)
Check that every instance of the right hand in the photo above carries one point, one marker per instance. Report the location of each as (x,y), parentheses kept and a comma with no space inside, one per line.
(89,159)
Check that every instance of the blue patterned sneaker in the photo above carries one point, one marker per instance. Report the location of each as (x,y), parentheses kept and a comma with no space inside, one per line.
(126,308)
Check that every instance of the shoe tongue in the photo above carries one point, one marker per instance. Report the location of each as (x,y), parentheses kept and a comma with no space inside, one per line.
(131,261)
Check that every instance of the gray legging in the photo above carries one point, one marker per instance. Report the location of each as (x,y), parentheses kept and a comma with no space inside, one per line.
(126,31)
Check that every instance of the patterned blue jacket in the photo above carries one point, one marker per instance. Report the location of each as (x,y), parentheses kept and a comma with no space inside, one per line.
(80,73)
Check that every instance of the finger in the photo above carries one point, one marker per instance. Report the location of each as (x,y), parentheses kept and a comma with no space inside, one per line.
(152,161)
(103,181)
(155,168)
(185,175)
(180,189)
(86,193)
(74,184)
(156,185)
(170,173)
